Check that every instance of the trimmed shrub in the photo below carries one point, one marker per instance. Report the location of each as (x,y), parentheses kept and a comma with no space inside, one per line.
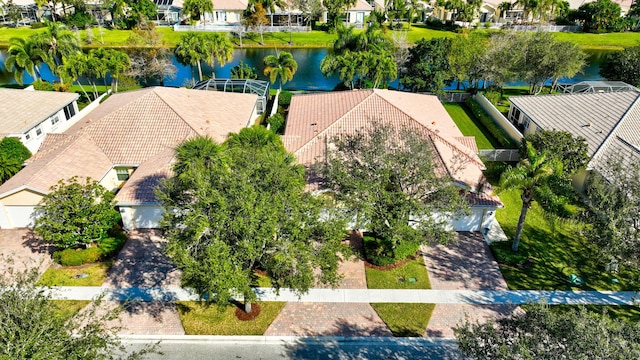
(491,125)
(13,148)
(38,25)
(504,255)
(380,252)
(277,123)
(284,99)
(104,249)
(42,85)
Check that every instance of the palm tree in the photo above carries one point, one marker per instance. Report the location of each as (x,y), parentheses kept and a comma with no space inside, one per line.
(529,176)
(192,50)
(220,48)
(504,8)
(282,66)
(74,67)
(58,42)
(25,55)
(9,166)
(199,7)
(117,63)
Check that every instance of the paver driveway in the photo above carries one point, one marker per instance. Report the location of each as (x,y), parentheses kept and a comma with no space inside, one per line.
(21,249)
(333,319)
(142,262)
(467,264)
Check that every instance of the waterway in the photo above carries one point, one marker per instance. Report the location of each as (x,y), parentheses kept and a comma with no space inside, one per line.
(308,76)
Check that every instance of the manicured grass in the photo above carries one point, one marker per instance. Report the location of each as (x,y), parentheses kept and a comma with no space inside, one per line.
(199,319)
(68,308)
(63,276)
(405,320)
(469,125)
(388,279)
(611,41)
(556,250)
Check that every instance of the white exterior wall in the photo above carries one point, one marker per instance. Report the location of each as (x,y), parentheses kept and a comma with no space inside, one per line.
(141,216)
(18,216)
(46,126)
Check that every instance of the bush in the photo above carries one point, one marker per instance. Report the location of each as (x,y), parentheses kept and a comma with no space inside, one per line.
(503,253)
(80,20)
(38,25)
(13,148)
(59,87)
(493,96)
(42,85)
(380,251)
(284,99)
(491,125)
(277,123)
(105,249)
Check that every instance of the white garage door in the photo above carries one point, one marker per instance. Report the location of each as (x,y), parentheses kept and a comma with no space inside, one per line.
(20,216)
(146,216)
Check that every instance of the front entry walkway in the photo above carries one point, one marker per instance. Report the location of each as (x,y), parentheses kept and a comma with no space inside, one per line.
(465,265)
(330,318)
(142,263)
(20,250)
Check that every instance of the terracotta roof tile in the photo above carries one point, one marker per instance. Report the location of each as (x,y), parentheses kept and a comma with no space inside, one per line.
(20,110)
(141,185)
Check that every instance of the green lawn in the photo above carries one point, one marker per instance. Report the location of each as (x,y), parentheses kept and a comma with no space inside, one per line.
(471,126)
(64,276)
(68,308)
(556,250)
(199,319)
(388,279)
(611,41)
(405,320)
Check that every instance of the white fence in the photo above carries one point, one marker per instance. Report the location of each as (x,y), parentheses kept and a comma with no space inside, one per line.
(500,155)
(235,28)
(548,28)
(82,113)
(497,116)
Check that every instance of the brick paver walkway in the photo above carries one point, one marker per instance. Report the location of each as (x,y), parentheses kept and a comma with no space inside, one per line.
(20,250)
(465,265)
(142,262)
(333,319)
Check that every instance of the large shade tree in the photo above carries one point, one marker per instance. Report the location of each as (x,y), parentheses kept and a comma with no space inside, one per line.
(391,181)
(428,66)
(237,207)
(622,66)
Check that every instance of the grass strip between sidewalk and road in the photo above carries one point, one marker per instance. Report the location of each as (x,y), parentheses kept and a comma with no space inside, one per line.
(405,320)
(57,275)
(199,318)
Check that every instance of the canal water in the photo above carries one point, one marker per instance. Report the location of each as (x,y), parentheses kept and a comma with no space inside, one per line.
(308,76)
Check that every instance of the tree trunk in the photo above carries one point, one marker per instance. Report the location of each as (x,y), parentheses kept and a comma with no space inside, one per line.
(83,90)
(290,30)
(199,71)
(526,204)
(114,84)
(247,304)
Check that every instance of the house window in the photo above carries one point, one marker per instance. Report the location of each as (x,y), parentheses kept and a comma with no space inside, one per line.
(55,119)
(515,115)
(27,136)
(69,111)
(38,130)
(122,173)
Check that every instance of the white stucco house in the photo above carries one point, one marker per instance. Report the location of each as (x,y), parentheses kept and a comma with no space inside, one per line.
(127,144)
(30,115)
(609,121)
(315,119)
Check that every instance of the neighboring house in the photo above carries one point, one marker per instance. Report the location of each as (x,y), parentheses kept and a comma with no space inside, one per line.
(315,119)
(169,11)
(227,12)
(357,14)
(609,121)
(29,115)
(127,144)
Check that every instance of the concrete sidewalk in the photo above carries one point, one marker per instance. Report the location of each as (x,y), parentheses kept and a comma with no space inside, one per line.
(475,297)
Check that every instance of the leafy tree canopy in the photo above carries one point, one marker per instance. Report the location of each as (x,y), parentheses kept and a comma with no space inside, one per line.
(390,180)
(73,214)
(240,206)
(545,333)
(599,16)
(13,154)
(428,66)
(572,151)
(622,66)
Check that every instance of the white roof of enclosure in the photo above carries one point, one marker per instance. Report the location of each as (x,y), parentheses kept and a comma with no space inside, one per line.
(257,87)
(596,87)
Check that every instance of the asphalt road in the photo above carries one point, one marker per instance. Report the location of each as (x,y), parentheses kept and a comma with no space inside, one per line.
(395,349)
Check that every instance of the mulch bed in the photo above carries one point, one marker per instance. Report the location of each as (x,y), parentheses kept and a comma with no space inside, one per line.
(243,316)
(390,266)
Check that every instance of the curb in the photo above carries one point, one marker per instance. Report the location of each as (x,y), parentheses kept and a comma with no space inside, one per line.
(260,339)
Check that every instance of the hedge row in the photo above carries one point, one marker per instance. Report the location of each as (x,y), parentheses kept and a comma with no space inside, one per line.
(102,250)
(491,125)
(380,252)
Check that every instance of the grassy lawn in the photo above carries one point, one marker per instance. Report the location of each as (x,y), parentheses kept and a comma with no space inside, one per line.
(67,308)
(64,276)
(200,319)
(388,279)
(556,250)
(471,126)
(611,41)
(405,319)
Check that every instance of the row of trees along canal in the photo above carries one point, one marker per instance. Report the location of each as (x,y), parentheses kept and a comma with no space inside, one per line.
(359,59)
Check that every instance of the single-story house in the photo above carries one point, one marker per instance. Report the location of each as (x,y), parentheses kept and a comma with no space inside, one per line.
(315,119)
(127,144)
(30,115)
(609,121)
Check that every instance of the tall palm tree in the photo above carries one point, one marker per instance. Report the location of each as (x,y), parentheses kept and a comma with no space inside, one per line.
(9,166)
(192,50)
(25,55)
(504,8)
(220,48)
(74,67)
(199,7)
(529,176)
(280,66)
(59,42)
(117,63)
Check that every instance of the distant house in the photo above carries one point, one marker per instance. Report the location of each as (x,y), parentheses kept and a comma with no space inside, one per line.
(30,115)
(609,121)
(314,119)
(127,144)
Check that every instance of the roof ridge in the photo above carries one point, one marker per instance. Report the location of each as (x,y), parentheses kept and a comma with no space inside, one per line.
(172,109)
(609,136)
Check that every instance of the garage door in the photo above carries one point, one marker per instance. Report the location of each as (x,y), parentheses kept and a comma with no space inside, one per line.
(146,217)
(20,216)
